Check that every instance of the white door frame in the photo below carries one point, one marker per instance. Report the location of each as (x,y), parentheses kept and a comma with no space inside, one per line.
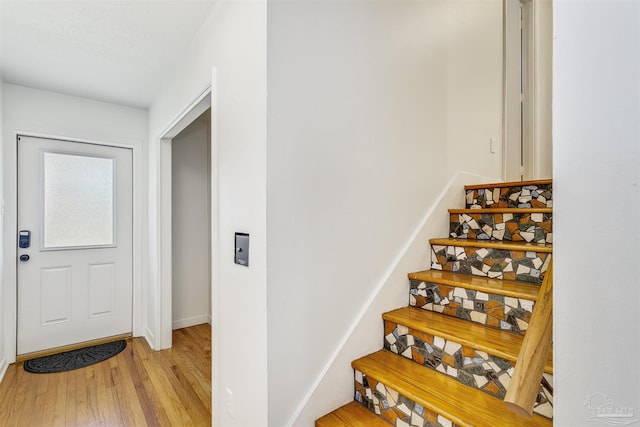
(204,101)
(11,233)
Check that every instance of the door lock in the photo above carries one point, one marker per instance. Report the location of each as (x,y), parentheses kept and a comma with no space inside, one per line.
(24,257)
(24,238)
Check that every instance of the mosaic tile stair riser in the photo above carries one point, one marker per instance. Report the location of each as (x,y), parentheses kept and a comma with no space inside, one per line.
(401,411)
(393,407)
(522,265)
(514,227)
(521,197)
(492,310)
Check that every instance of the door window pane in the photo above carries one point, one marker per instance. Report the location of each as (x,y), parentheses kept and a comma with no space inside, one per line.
(78,200)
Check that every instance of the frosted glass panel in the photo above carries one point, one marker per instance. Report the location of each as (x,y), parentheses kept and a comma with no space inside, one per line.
(78,200)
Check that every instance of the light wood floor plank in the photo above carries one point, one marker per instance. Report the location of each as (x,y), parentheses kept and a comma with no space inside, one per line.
(138,387)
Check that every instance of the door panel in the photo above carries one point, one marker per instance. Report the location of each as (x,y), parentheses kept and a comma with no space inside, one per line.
(55,295)
(102,289)
(76,285)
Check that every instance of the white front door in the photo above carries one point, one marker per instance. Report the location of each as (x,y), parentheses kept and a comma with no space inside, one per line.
(75,276)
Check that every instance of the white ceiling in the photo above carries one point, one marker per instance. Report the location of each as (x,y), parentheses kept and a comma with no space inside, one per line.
(116,51)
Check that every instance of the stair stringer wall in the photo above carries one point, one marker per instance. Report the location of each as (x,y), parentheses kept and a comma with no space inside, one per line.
(334,386)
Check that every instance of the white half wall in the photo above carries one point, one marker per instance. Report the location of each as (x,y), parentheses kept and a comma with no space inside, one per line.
(373,107)
(233,41)
(596,171)
(56,115)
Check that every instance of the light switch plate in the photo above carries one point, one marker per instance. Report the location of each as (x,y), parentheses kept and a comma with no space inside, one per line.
(242,249)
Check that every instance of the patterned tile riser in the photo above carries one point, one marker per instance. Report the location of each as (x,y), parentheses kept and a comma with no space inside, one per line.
(493,310)
(493,263)
(472,367)
(529,196)
(525,227)
(393,407)
(400,411)
(544,402)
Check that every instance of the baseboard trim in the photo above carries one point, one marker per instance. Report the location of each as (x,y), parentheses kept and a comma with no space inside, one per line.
(150,337)
(3,368)
(190,321)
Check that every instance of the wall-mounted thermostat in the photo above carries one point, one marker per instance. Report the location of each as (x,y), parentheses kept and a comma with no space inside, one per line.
(242,249)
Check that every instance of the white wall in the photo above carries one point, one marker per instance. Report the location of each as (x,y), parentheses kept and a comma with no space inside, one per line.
(373,106)
(473,79)
(233,40)
(53,114)
(191,171)
(3,344)
(596,170)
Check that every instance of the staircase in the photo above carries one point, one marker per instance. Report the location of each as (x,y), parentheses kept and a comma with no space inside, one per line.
(450,356)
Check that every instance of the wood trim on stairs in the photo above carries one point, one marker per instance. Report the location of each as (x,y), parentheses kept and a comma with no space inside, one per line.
(352,414)
(508,184)
(501,210)
(495,244)
(509,288)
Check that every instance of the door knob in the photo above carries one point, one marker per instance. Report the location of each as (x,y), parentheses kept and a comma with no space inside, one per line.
(24,257)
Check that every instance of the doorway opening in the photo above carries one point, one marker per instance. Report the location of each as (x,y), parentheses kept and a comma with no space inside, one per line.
(185,300)
(191,224)
(527,72)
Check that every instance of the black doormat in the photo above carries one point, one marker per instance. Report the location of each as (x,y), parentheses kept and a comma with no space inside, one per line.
(75,359)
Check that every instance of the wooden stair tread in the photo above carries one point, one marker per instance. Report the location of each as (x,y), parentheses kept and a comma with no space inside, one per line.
(508,288)
(463,405)
(495,244)
(501,210)
(508,184)
(352,414)
(505,345)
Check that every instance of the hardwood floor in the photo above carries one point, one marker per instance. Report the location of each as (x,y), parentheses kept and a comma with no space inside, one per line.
(138,387)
